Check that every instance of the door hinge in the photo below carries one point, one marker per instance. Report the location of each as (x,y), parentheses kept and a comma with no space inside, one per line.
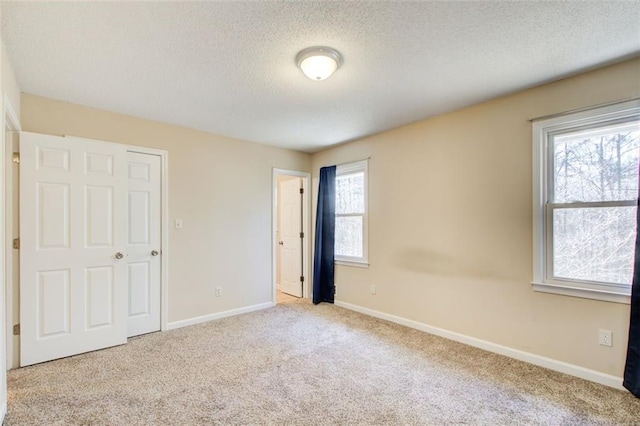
(301,279)
(16,157)
(16,330)
(16,243)
(302,235)
(302,190)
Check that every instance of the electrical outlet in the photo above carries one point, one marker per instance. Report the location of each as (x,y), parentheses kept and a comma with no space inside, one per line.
(372,289)
(606,338)
(218,291)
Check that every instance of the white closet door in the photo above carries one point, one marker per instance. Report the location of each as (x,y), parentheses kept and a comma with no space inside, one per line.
(291,247)
(73,294)
(143,243)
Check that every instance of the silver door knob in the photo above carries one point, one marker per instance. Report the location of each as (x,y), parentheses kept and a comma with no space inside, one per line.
(154,252)
(281,243)
(119,255)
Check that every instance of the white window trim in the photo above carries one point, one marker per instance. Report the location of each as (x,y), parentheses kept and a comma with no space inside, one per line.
(360,262)
(541,131)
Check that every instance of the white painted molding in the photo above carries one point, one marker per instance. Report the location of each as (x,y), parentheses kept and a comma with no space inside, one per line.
(541,361)
(218,315)
(10,120)
(164,219)
(351,263)
(584,293)
(3,412)
(11,117)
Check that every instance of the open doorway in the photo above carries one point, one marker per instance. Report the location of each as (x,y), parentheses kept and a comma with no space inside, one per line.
(290,249)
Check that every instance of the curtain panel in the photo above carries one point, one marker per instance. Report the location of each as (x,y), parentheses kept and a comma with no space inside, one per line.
(632,366)
(323,268)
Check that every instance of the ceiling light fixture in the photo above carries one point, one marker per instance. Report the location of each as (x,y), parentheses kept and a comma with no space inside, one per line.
(318,62)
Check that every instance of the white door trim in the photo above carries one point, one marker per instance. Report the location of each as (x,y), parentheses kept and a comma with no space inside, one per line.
(164,224)
(306,228)
(11,121)
(11,118)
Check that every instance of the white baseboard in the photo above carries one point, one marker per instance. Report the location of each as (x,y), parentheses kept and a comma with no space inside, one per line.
(218,315)
(551,364)
(3,411)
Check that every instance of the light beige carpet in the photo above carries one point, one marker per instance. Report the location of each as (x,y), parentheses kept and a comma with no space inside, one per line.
(285,298)
(299,364)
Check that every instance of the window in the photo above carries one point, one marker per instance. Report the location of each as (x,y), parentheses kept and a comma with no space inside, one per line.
(585,196)
(351,213)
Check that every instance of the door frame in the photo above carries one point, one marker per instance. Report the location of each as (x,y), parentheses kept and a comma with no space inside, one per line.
(10,121)
(8,206)
(306,228)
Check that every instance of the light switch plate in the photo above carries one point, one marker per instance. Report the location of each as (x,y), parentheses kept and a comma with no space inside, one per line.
(178,223)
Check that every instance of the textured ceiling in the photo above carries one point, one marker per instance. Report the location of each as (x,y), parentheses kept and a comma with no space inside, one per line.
(228,67)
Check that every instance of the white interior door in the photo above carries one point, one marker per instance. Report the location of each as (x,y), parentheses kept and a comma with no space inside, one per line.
(143,243)
(291,243)
(73,294)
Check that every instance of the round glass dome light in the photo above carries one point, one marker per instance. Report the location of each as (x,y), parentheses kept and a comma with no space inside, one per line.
(319,62)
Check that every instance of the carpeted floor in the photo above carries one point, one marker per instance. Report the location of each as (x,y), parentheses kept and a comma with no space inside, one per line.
(285,298)
(299,364)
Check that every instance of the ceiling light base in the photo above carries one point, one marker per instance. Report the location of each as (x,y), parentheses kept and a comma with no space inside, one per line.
(319,62)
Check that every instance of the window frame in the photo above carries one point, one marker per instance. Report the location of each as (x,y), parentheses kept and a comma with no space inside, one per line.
(347,169)
(543,157)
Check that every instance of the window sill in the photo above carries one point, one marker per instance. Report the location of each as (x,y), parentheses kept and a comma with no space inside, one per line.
(351,263)
(584,293)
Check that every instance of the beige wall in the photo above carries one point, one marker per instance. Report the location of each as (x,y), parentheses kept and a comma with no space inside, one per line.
(450,220)
(221,189)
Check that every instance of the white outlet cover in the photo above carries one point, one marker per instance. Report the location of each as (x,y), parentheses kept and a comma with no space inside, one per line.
(606,337)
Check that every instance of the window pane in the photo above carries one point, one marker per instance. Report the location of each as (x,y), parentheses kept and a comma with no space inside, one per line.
(349,236)
(597,165)
(350,193)
(594,244)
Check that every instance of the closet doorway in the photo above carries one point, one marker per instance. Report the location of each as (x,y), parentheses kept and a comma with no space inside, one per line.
(92,216)
(290,235)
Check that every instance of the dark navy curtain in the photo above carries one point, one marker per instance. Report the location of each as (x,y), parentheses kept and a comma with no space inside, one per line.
(323,286)
(632,367)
